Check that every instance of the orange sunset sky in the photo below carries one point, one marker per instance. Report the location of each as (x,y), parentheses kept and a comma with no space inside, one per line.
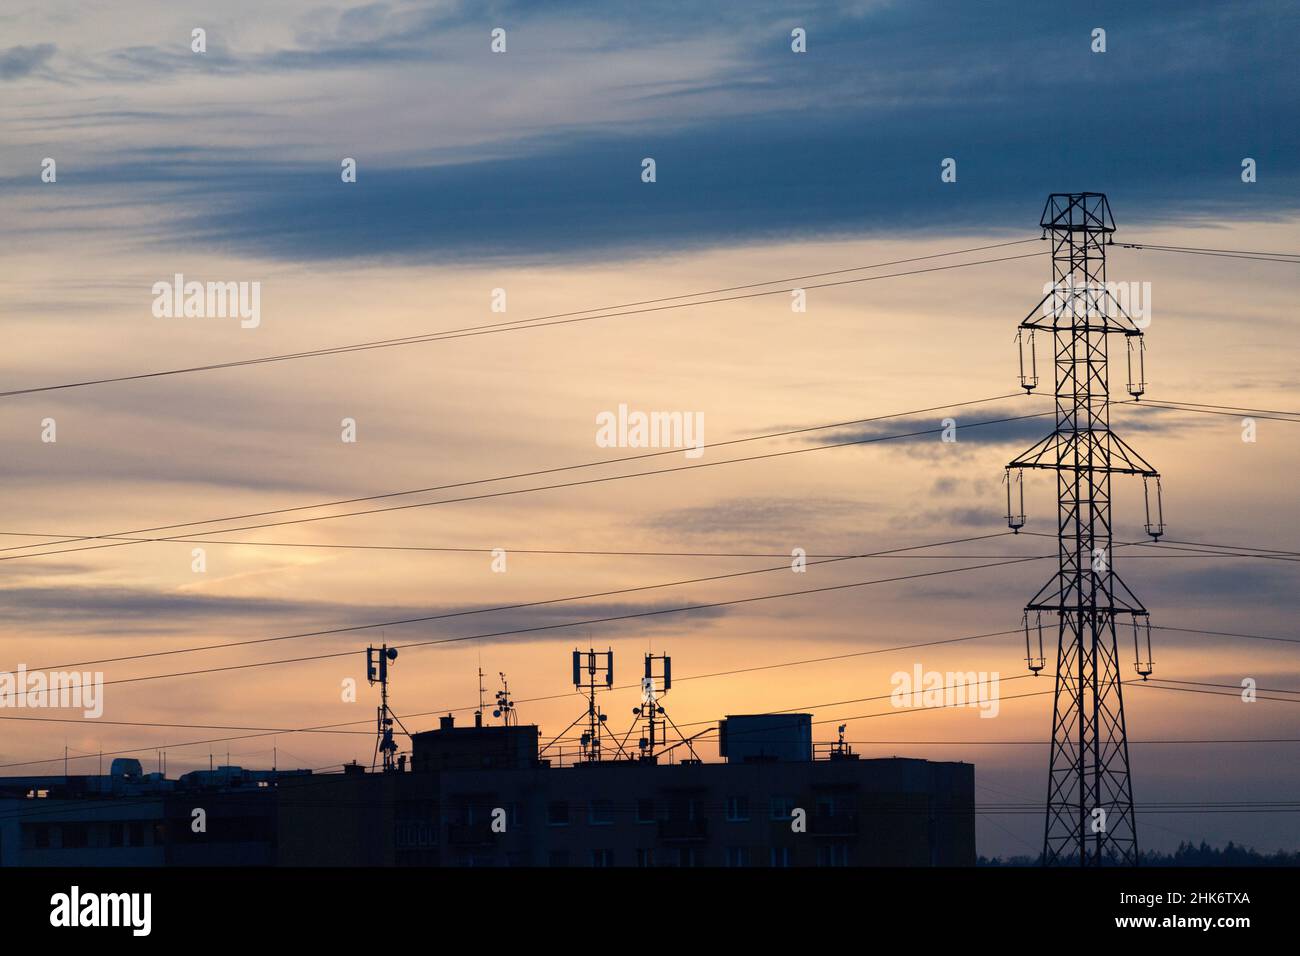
(523,173)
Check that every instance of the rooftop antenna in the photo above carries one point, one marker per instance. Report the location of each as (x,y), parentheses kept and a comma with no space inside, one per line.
(840,750)
(377,660)
(505,708)
(655,684)
(478,714)
(591,670)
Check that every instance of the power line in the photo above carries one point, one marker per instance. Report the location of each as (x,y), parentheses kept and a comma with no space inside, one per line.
(513,551)
(1192,549)
(1286,257)
(1044,743)
(1213,693)
(1238,408)
(862,700)
(1238,547)
(1171,248)
(1211,551)
(570,552)
(548,627)
(513,325)
(536,628)
(1156,403)
(99,721)
(1174,551)
(1000,679)
(1236,687)
(519,491)
(517,606)
(1249,637)
(442,710)
(411,716)
(527,474)
(927,707)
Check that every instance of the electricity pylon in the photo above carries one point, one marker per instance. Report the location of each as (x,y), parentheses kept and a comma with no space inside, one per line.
(1090,818)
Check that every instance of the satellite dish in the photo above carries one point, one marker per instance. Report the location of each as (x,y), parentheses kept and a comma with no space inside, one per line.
(392,653)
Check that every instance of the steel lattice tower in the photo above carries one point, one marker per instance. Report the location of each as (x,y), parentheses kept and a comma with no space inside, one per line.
(1090,818)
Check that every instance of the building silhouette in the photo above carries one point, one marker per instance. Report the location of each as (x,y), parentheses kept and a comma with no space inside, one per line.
(482,796)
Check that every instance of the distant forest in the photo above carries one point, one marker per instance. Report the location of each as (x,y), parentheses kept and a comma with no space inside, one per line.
(1187,854)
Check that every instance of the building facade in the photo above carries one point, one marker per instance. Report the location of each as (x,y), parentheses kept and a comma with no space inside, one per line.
(484,797)
(479,796)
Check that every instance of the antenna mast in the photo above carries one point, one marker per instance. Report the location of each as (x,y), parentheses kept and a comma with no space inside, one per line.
(377,660)
(591,670)
(655,684)
(505,708)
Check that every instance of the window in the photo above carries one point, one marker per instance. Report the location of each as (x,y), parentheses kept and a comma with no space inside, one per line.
(645,811)
(414,833)
(116,833)
(602,857)
(737,856)
(686,856)
(737,809)
(780,856)
(782,807)
(600,812)
(645,856)
(478,808)
(686,808)
(76,836)
(836,854)
(559,858)
(42,836)
(834,804)
(135,831)
(557,813)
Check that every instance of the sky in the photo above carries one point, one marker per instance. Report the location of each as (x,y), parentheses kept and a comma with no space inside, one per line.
(522,171)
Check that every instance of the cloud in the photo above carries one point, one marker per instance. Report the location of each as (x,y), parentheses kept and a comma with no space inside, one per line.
(1013,427)
(1243,583)
(739,181)
(752,142)
(757,518)
(139,612)
(19,61)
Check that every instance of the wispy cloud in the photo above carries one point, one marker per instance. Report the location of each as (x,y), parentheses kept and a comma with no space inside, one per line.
(21,61)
